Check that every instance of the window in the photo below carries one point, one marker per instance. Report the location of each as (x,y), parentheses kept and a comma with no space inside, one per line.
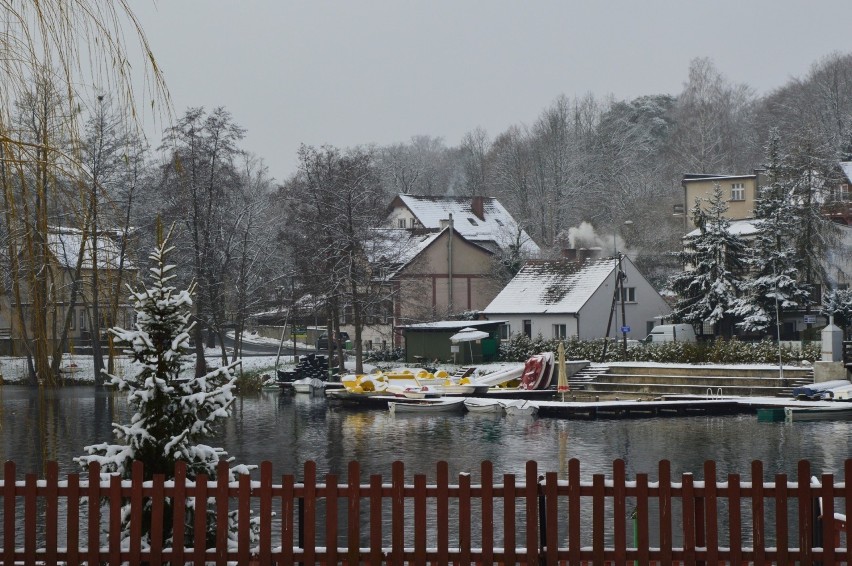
(528,328)
(83,320)
(505,331)
(841,193)
(628,295)
(71,326)
(737,191)
(472,221)
(401,223)
(560,331)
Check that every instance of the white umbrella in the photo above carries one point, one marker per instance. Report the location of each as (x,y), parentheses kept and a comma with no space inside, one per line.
(468,335)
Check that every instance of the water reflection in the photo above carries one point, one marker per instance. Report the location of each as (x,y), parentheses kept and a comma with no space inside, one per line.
(41,425)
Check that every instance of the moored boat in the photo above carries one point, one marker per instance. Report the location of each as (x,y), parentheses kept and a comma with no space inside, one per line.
(519,408)
(427,406)
(480,405)
(842,412)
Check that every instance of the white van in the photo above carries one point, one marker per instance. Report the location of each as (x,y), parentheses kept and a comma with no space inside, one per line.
(671,333)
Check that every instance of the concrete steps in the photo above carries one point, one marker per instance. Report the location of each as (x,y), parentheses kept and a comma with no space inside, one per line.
(655,380)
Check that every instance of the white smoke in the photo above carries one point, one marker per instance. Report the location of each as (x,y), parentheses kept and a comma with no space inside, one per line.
(585,236)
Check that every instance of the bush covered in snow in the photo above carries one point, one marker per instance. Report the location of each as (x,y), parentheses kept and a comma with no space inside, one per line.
(520,347)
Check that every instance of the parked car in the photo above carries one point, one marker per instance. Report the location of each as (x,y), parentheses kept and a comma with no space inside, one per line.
(322,341)
(671,333)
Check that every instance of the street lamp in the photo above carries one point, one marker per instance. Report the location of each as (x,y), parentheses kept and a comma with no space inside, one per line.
(613,313)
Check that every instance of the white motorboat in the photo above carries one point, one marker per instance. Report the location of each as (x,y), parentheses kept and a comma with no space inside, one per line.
(841,412)
(480,405)
(426,406)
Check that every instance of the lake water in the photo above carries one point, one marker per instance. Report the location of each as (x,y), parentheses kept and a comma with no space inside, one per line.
(287,430)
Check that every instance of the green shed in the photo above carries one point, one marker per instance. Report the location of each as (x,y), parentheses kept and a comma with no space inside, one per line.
(430,341)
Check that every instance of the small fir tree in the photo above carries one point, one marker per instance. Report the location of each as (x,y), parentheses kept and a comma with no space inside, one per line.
(175,411)
(713,260)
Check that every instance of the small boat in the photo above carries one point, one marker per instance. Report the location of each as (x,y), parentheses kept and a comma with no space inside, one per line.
(819,390)
(427,406)
(500,376)
(479,405)
(308,385)
(538,371)
(519,408)
(825,413)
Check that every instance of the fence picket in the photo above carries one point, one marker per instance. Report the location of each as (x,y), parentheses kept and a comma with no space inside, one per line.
(264,555)
(442,505)
(487,496)
(199,523)
(136,511)
(222,506)
(531,497)
(158,498)
(397,512)
(710,534)
(51,511)
(757,513)
(573,518)
(9,509)
(782,537)
(827,518)
(72,521)
(376,513)
(665,498)
(93,496)
(420,520)
(308,539)
(509,534)
(805,513)
(619,510)
(353,503)
(331,514)
(178,519)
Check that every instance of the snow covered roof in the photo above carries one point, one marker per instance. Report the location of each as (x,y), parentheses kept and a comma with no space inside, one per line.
(396,248)
(737,227)
(64,244)
(495,225)
(551,287)
(451,324)
(846,167)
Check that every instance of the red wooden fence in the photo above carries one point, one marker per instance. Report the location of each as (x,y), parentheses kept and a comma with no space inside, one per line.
(537,519)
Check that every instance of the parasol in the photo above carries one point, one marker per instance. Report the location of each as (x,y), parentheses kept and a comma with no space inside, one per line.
(562,384)
(468,335)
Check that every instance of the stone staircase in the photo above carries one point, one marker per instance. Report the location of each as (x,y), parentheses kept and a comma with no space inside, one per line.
(625,380)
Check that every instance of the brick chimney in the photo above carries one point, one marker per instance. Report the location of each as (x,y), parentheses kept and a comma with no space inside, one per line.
(570,254)
(477,206)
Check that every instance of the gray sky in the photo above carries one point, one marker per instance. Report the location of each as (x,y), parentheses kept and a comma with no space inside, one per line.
(355,72)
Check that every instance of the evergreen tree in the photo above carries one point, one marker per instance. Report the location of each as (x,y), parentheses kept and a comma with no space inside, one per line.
(774,264)
(175,410)
(713,261)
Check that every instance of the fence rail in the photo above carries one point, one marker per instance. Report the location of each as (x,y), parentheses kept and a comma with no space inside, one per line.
(538,518)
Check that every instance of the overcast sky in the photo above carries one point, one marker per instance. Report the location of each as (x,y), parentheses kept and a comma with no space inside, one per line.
(356,72)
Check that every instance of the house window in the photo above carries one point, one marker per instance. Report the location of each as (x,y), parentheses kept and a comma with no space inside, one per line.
(505,331)
(628,295)
(83,320)
(737,191)
(841,194)
(560,331)
(528,328)
(401,223)
(71,325)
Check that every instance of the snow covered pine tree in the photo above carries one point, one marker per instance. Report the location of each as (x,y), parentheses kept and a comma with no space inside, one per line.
(175,411)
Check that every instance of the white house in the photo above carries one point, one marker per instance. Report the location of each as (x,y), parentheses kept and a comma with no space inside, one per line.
(564,299)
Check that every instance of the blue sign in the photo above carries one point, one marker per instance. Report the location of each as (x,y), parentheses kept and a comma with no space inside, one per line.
(625,329)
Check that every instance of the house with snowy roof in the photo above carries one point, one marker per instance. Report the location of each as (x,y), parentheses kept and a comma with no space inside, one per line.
(571,299)
(436,257)
(70,254)
(427,276)
(481,220)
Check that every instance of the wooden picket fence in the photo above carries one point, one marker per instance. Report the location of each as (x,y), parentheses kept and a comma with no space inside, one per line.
(539,518)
